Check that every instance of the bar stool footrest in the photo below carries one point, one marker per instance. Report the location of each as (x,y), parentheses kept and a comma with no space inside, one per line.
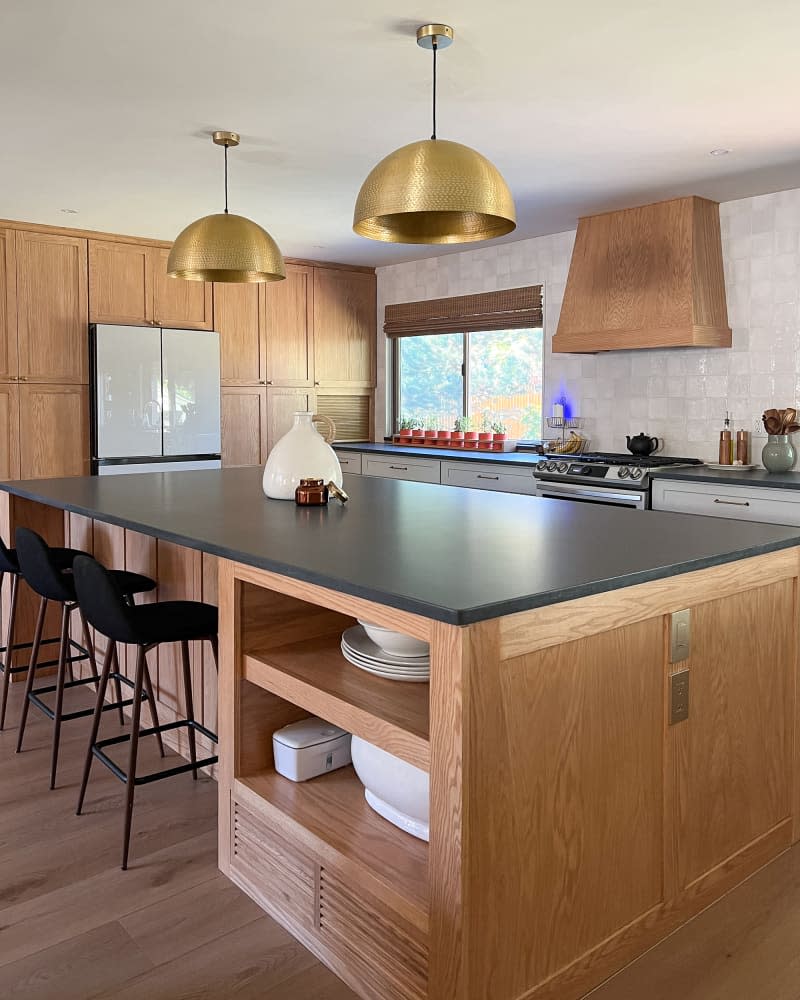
(98,750)
(81,713)
(23,668)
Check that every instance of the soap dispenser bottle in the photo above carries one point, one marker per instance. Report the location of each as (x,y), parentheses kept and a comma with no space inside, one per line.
(726,442)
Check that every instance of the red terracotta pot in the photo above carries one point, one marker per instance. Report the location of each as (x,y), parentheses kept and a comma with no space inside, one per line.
(499,437)
(457,438)
(406,434)
(470,435)
(484,436)
(431,434)
(444,435)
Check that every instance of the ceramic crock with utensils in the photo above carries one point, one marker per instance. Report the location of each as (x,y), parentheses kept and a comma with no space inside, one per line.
(778,454)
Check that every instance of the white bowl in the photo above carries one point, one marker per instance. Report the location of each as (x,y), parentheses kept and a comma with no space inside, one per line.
(396,790)
(395,643)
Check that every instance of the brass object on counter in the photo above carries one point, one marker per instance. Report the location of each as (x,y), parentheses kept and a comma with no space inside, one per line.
(311,493)
(338,492)
(225,247)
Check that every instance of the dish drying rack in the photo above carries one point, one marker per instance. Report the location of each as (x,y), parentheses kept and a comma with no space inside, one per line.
(571,442)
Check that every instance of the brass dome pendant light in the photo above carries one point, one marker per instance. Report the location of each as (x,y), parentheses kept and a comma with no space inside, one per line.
(434,190)
(225,247)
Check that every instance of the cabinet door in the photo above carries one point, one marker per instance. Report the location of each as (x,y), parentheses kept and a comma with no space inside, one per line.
(288,325)
(9,431)
(237,319)
(344,327)
(54,430)
(731,759)
(282,404)
(178,303)
(52,308)
(120,283)
(8,306)
(244,429)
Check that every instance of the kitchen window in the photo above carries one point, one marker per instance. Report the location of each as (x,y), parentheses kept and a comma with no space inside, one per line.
(476,356)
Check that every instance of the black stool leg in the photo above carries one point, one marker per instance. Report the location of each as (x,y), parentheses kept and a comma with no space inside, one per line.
(187,689)
(118,685)
(66,610)
(151,699)
(9,654)
(130,785)
(214,650)
(37,639)
(98,714)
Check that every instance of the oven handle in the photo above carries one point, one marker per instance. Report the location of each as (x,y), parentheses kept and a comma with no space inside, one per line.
(559,491)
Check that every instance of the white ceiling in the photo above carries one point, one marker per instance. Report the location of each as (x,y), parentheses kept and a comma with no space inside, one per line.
(583,106)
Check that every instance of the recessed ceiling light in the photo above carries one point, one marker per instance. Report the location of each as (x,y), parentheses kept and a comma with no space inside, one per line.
(720,152)
(69,211)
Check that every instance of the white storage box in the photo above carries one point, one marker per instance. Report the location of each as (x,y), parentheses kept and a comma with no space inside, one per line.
(309,748)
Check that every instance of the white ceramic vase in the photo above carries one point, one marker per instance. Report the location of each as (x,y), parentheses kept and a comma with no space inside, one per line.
(302,453)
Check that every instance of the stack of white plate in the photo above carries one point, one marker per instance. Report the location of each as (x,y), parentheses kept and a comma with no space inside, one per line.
(362,652)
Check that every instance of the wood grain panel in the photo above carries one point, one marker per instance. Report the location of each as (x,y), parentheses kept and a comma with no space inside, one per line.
(282,404)
(9,360)
(178,571)
(109,549)
(9,431)
(120,283)
(237,319)
(54,430)
(543,627)
(243,413)
(289,327)
(177,303)
(733,769)
(345,320)
(649,276)
(52,308)
(209,568)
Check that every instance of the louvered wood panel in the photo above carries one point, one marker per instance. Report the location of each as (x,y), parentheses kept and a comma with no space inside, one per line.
(351,412)
(273,868)
(379,946)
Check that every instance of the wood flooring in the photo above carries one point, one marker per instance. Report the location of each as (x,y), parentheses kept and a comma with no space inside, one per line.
(75,927)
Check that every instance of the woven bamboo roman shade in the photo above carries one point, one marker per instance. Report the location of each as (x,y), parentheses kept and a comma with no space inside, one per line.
(510,309)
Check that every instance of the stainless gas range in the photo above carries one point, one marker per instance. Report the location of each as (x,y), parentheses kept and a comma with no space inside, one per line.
(602,477)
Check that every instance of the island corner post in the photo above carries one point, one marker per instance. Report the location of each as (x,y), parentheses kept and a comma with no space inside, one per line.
(572,827)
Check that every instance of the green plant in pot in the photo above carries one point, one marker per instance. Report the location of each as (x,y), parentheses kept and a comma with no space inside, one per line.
(470,435)
(457,435)
(498,434)
(406,428)
(778,454)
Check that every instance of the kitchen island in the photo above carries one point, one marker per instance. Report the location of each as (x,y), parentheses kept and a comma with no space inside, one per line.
(572,826)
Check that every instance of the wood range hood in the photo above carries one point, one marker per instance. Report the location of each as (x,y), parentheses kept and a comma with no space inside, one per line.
(646,277)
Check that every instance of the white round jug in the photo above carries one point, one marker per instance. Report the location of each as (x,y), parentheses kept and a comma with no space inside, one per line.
(302,453)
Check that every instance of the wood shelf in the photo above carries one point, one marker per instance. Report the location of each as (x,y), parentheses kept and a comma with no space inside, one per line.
(313,674)
(331,817)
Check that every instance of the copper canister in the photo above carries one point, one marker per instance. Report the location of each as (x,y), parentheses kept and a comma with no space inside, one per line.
(743,447)
(311,493)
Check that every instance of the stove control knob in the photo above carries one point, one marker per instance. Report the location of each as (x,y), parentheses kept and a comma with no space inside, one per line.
(623,472)
(636,473)
(552,467)
(562,466)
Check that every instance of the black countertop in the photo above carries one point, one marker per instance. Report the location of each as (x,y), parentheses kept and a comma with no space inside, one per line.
(501,458)
(742,477)
(456,555)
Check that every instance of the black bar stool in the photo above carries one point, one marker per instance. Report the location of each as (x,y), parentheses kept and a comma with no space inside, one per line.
(145,626)
(47,578)
(9,566)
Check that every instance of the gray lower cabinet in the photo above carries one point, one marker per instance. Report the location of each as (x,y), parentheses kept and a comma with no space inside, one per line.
(744,503)
(350,461)
(418,470)
(488,476)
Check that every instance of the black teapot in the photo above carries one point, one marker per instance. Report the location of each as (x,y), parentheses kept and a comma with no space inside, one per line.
(642,444)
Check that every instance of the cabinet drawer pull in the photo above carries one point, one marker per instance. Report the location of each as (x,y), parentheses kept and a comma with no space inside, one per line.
(399,468)
(495,478)
(733,503)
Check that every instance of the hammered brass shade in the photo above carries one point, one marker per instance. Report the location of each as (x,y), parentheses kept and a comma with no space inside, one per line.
(434,191)
(227,248)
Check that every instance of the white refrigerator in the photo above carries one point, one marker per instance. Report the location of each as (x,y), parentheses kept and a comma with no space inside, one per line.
(155,399)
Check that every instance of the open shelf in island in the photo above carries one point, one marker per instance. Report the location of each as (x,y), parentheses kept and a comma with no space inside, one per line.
(314,675)
(330,818)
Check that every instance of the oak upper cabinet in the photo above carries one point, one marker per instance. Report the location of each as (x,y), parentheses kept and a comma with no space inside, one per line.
(243,411)
(52,308)
(54,430)
(179,303)
(238,320)
(120,283)
(9,431)
(8,306)
(288,328)
(282,404)
(344,327)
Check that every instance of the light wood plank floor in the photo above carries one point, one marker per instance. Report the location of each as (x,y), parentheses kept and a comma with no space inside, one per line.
(74,927)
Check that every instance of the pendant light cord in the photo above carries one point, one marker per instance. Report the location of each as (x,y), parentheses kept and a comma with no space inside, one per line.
(435,48)
(226,177)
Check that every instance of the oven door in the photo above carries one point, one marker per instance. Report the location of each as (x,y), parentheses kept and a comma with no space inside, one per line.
(636,499)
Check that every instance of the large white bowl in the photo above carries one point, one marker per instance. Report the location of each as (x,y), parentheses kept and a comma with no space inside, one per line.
(395,643)
(396,790)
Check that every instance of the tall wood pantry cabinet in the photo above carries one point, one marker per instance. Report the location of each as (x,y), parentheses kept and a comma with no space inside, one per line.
(44,397)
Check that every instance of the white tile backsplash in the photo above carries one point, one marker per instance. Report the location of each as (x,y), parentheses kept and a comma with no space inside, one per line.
(678,395)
